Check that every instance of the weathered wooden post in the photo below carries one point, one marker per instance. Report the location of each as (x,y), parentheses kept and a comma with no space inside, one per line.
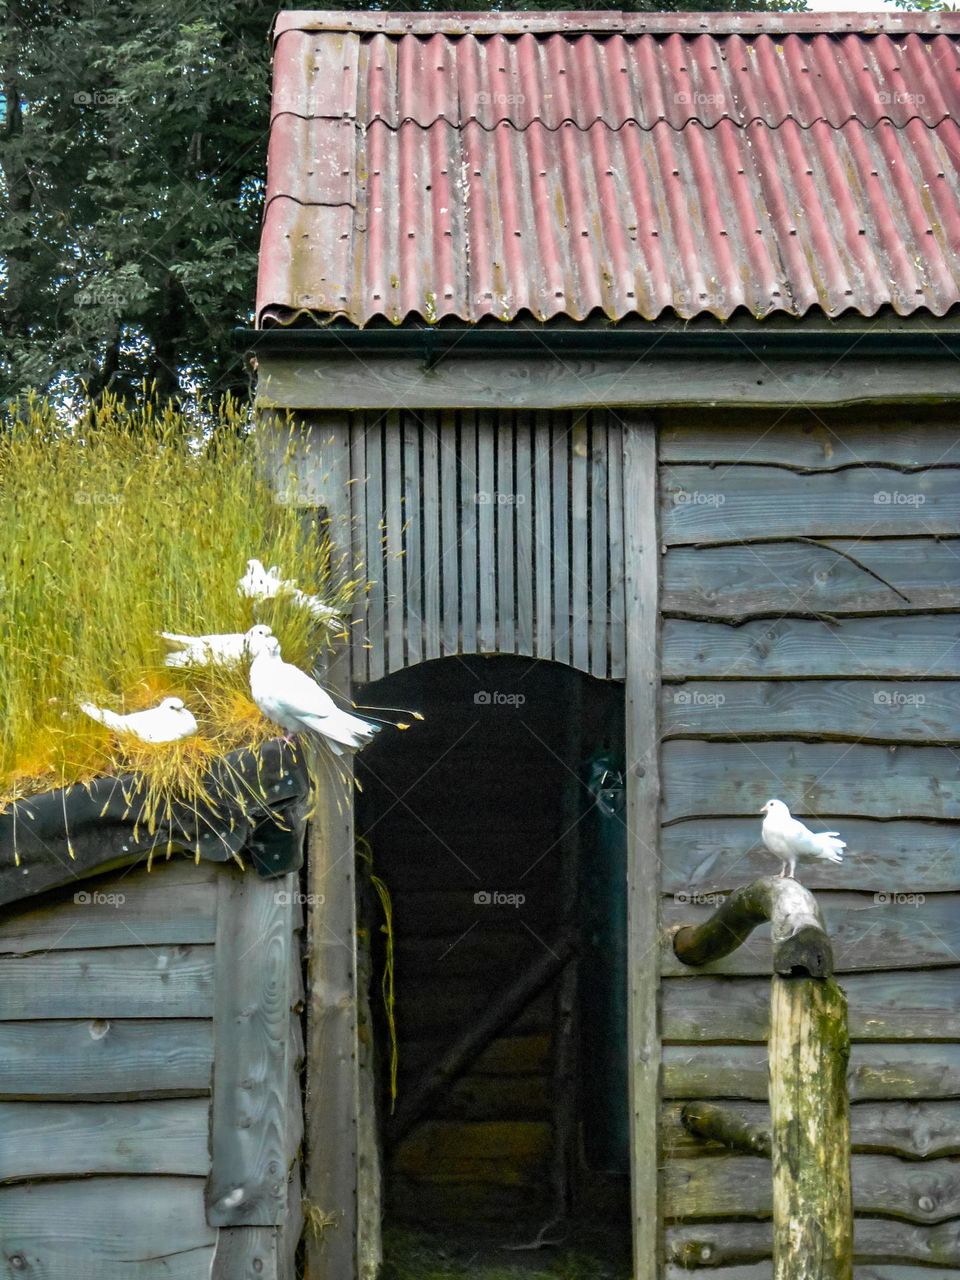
(808,1052)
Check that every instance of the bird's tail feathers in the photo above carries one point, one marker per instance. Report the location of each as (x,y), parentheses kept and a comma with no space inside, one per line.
(109,718)
(175,638)
(830,846)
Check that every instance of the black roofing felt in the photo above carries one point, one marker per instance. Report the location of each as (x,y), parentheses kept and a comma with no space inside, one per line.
(65,835)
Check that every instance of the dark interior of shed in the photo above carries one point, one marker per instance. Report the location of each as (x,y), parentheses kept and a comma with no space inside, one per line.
(497,826)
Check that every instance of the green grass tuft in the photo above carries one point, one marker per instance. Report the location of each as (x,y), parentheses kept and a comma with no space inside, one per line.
(113,527)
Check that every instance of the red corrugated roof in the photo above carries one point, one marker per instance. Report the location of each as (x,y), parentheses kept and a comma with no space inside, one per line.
(491,165)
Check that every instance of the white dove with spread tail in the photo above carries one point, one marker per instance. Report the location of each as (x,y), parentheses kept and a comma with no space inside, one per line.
(169,721)
(292,699)
(259,583)
(790,839)
(223,650)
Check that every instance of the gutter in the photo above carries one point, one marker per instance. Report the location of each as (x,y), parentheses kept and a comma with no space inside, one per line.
(430,345)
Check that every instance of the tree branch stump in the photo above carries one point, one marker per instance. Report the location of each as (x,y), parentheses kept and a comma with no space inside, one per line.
(719,1124)
(810,1123)
(800,943)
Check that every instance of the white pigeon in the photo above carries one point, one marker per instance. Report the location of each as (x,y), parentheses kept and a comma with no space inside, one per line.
(169,721)
(259,583)
(223,650)
(790,839)
(292,699)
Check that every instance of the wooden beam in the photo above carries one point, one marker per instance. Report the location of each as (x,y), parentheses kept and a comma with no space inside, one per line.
(796,926)
(641,576)
(538,382)
(810,1126)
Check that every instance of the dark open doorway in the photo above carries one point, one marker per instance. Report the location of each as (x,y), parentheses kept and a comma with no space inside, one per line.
(497,825)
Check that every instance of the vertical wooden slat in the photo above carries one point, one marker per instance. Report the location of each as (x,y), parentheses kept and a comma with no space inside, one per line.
(412,535)
(561,551)
(506,505)
(468,536)
(246,1253)
(542,535)
(450,532)
(641,561)
(615,508)
(430,519)
(358,529)
(580,545)
(599,546)
(393,504)
(376,595)
(486,508)
(247,1185)
(524,519)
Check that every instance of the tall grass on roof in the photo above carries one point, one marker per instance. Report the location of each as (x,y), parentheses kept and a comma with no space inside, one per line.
(115,525)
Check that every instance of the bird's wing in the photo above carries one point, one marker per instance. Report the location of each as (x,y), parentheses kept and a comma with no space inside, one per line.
(175,638)
(802,839)
(301,693)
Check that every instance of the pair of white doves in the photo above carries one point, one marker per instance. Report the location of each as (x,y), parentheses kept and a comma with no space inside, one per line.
(285,694)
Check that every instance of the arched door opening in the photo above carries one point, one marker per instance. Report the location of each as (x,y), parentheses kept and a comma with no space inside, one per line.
(498,826)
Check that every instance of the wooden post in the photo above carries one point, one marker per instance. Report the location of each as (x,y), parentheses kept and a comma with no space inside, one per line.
(812,1205)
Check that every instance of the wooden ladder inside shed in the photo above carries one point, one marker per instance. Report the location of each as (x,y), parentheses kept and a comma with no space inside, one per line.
(809,1047)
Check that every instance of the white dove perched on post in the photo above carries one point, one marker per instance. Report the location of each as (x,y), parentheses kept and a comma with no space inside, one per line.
(790,839)
(225,650)
(259,583)
(292,699)
(169,721)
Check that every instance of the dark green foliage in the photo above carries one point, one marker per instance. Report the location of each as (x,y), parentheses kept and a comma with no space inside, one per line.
(132,160)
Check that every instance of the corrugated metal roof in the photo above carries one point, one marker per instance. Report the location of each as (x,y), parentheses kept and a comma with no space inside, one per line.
(582,166)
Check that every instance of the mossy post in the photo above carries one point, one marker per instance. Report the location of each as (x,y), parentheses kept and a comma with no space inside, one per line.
(810,1122)
(808,1051)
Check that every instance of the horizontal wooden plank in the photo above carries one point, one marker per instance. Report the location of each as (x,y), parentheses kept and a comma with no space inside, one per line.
(821,441)
(878,1072)
(173,904)
(102,1058)
(893,931)
(508,1154)
(531,382)
(414,1201)
(709,855)
(731,504)
(922,711)
(107,1229)
(474,1097)
(903,1005)
(911,645)
(119,982)
(926,1191)
(707,778)
(764,1271)
(720,1244)
(912,1130)
(63,1139)
(775,578)
(509,1055)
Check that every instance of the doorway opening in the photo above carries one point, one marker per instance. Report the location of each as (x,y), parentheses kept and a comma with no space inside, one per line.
(497,825)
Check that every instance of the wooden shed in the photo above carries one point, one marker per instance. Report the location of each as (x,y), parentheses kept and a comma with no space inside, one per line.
(150,1043)
(626,352)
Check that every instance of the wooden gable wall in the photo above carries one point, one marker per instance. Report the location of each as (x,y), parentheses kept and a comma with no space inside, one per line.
(809,564)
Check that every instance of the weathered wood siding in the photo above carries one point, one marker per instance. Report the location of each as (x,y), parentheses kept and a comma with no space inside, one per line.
(487,533)
(811,651)
(114,1010)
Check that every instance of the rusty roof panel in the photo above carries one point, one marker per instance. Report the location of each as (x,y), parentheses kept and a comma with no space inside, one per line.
(562,175)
